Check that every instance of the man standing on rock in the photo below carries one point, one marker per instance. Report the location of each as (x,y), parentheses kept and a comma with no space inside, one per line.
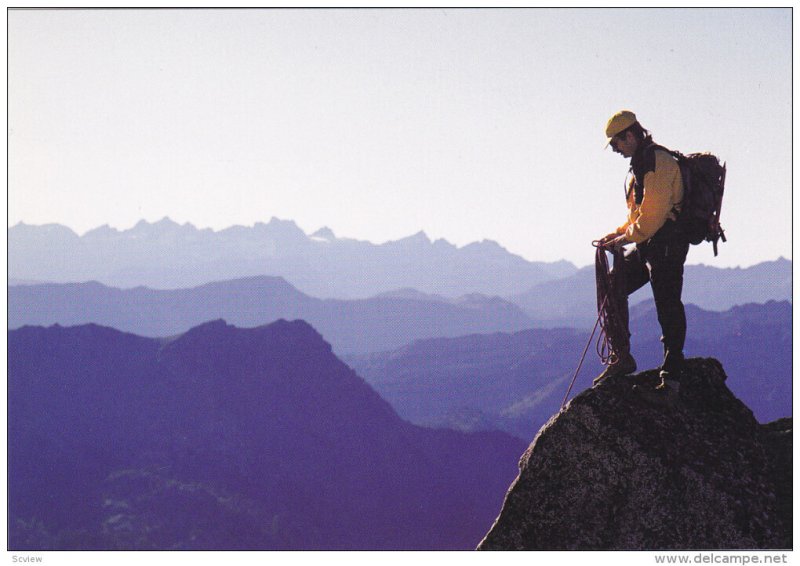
(654,196)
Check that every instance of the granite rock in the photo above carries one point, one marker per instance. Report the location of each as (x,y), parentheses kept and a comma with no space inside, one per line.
(626,466)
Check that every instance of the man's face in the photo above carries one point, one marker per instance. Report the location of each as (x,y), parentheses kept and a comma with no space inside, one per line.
(624,144)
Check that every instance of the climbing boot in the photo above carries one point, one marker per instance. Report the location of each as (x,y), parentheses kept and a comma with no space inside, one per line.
(669,381)
(672,365)
(623,367)
(671,370)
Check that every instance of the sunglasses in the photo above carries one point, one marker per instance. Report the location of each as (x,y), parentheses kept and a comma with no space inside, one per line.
(620,136)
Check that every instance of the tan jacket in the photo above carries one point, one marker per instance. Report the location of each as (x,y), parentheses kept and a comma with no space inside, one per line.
(663,193)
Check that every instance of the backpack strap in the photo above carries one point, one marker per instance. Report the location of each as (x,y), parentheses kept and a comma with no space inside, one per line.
(719,233)
(642,162)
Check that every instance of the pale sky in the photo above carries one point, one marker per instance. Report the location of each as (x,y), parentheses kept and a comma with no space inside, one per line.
(467,124)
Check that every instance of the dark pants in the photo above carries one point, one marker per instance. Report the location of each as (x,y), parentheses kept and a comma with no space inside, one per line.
(659,261)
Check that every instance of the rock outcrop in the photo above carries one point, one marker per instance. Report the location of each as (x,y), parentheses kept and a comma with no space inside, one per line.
(624,466)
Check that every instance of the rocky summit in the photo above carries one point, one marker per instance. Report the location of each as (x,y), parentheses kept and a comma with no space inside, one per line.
(627,466)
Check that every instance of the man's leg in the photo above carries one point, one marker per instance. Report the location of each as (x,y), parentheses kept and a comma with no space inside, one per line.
(634,275)
(666,277)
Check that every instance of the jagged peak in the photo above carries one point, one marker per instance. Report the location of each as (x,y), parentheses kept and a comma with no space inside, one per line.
(102,230)
(217,328)
(628,466)
(324,233)
(275,221)
(297,326)
(214,327)
(295,339)
(419,238)
(484,245)
(281,228)
(145,226)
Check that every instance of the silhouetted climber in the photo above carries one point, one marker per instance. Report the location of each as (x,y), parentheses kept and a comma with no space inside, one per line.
(654,196)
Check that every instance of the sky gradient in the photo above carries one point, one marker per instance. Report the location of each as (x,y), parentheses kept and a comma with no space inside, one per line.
(468,124)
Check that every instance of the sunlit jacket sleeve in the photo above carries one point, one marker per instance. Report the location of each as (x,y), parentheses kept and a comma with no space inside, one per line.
(663,193)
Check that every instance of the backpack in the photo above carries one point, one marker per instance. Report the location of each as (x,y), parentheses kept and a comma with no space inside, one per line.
(703,186)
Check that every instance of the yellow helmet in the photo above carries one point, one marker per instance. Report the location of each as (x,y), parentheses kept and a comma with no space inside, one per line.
(620,121)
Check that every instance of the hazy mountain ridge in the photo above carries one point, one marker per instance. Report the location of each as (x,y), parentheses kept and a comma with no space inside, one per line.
(363,325)
(386,321)
(165,254)
(226,438)
(572,301)
(516,381)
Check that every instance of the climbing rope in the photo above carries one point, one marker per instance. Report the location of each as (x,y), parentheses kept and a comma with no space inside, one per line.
(613,339)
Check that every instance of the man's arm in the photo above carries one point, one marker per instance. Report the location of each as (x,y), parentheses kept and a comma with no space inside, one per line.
(659,187)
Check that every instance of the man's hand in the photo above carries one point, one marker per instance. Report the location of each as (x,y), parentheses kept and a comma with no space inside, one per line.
(617,243)
(613,241)
(607,238)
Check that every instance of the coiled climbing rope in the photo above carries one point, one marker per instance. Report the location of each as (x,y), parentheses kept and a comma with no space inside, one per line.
(613,340)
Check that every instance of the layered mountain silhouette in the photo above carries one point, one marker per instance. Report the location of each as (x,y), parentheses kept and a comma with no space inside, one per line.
(572,301)
(365,325)
(516,381)
(165,254)
(627,467)
(228,438)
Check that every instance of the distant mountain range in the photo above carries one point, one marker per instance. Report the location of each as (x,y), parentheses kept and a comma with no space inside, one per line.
(380,323)
(145,426)
(571,301)
(167,255)
(384,322)
(226,438)
(516,381)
